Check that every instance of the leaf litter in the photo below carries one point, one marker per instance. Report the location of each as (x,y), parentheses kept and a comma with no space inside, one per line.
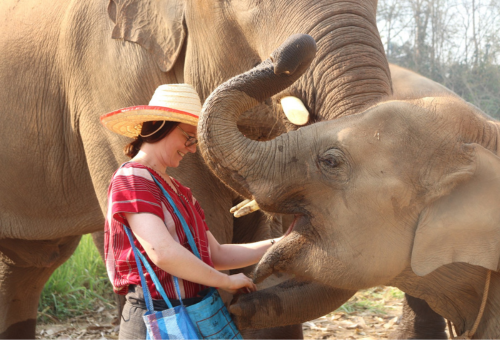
(370,314)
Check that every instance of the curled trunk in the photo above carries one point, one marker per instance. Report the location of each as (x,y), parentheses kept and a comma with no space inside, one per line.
(233,157)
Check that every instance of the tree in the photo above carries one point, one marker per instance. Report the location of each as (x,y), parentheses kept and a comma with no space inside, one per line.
(445,41)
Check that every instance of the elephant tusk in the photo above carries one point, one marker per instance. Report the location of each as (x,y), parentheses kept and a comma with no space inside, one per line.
(295,110)
(244,208)
(239,205)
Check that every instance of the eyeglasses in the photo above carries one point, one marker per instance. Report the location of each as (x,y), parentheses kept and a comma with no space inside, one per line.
(191,140)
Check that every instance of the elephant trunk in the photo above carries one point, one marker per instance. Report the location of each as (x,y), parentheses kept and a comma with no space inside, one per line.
(288,303)
(304,254)
(292,255)
(235,159)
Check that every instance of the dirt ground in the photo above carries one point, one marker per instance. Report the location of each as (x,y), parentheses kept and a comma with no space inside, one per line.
(370,314)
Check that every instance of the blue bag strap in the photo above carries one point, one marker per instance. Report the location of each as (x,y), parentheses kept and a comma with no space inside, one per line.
(181,218)
(140,258)
(147,295)
(157,283)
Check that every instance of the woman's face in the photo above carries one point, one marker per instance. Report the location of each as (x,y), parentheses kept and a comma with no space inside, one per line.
(172,148)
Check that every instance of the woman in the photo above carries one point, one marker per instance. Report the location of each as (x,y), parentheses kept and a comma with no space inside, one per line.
(164,132)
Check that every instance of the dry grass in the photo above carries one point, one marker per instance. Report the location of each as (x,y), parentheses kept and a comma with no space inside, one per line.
(370,314)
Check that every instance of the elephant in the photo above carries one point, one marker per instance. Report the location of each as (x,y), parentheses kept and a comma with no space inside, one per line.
(64,65)
(402,193)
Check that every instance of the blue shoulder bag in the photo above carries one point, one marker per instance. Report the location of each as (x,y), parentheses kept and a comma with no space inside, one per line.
(207,319)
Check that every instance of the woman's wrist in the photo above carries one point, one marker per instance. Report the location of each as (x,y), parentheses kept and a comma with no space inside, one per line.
(225,281)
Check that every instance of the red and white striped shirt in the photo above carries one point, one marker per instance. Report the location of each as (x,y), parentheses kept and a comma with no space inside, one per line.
(132,190)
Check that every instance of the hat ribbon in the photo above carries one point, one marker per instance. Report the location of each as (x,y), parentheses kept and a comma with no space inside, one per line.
(152,133)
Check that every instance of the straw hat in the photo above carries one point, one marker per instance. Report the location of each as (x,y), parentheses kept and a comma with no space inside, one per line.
(171,102)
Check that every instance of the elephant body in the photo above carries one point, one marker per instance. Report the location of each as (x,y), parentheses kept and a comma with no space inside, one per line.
(403,193)
(64,65)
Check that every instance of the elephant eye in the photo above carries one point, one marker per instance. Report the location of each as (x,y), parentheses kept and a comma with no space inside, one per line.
(330,161)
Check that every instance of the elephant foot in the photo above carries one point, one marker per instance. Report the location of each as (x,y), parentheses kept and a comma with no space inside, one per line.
(20,330)
(284,332)
(419,321)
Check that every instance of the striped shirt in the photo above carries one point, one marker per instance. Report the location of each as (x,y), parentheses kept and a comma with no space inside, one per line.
(132,190)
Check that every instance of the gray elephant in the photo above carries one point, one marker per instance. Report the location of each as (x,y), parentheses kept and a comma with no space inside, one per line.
(404,193)
(64,65)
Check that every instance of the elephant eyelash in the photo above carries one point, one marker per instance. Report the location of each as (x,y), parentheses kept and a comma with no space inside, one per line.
(330,161)
(331,158)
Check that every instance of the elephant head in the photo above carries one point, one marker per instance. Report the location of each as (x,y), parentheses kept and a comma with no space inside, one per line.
(403,184)
(207,42)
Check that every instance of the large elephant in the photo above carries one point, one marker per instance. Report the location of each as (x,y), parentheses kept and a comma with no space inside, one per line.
(404,193)
(63,65)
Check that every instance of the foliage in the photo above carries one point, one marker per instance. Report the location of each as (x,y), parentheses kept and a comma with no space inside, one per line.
(453,42)
(77,286)
(373,300)
(480,86)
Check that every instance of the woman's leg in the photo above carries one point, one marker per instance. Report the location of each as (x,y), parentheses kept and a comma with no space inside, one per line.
(132,324)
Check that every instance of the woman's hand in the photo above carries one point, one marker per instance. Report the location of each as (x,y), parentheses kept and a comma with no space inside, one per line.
(239,282)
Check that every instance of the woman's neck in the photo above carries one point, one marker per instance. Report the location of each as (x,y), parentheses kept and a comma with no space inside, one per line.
(152,163)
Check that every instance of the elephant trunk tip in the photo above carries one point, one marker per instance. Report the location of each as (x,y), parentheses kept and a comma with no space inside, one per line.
(295,53)
(262,272)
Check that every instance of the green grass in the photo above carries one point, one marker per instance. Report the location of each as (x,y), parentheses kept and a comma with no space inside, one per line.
(79,285)
(371,300)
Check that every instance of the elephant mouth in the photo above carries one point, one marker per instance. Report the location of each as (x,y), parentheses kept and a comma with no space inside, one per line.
(293,224)
(282,257)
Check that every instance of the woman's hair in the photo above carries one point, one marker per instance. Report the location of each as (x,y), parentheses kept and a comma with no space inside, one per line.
(133,147)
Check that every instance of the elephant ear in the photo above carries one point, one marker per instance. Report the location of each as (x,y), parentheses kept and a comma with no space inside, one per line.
(462,225)
(158,26)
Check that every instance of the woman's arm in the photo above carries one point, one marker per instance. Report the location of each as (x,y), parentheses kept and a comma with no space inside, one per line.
(232,256)
(173,258)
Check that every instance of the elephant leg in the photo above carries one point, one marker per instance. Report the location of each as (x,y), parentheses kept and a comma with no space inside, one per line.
(98,238)
(419,321)
(25,267)
(284,332)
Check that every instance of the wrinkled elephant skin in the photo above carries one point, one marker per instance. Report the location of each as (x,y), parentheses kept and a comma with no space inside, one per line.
(64,65)
(404,193)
